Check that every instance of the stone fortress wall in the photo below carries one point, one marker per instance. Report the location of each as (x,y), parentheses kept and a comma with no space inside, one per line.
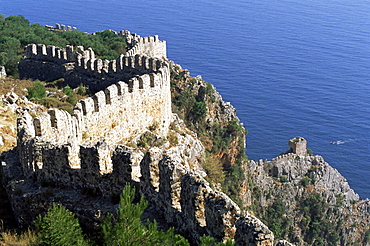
(61,27)
(120,111)
(151,45)
(83,151)
(144,55)
(135,96)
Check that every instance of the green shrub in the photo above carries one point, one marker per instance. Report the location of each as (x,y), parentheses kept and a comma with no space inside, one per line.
(82,90)
(213,167)
(283,179)
(36,91)
(275,219)
(309,151)
(59,227)
(317,227)
(147,139)
(367,236)
(71,95)
(305,181)
(66,108)
(200,109)
(172,138)
(48,102)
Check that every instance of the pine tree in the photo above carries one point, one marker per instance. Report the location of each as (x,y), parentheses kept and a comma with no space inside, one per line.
(59,227)
(128,229)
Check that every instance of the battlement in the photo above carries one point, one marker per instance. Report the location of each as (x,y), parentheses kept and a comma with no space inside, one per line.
(61,27)
(49,53)
(85,59)
(51,63)
(114,114)
(132,94)
(120,65)
(150,46)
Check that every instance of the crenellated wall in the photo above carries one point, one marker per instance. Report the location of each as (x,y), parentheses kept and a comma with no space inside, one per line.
(178,194)
(49,53)
(150,46)
(132,95)
(115,114)
(61,27)
(82,67)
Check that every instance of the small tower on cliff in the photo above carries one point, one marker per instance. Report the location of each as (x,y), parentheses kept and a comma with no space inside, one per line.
(298,145)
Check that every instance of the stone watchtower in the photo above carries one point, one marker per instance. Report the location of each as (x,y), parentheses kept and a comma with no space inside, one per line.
(298,145)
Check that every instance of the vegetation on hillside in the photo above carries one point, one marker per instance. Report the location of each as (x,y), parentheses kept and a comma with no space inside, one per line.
(60,227)
(193,100)
(53,95)
(16,32)
(307,216)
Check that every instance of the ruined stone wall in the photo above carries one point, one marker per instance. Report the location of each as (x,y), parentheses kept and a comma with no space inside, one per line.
(61,27)
(169,178)
(81,153)
(82,67)
(46,63)
(121,111)
(150,46)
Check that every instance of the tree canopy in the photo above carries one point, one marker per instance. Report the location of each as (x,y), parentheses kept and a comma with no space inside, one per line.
(16,32)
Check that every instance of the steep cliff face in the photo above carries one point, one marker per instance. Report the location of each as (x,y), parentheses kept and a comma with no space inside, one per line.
(217,126)
(300,197)
(303,199)
(214,124)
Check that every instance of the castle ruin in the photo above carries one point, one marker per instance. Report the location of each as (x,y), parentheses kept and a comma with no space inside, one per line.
(85,152)
(298,145)
(134,95)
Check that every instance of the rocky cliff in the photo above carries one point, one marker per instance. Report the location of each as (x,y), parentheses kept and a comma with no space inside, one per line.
(169,174)
(299,196)
(305,200)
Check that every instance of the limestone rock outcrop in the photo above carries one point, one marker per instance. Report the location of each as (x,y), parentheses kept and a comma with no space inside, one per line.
(294,178)
(2,72)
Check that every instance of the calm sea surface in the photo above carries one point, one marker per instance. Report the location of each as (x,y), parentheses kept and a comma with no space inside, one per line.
(290,68)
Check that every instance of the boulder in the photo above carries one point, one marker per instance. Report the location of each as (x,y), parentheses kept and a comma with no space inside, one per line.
(2,72)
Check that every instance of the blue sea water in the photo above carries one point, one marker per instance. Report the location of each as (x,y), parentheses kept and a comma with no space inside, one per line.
(290,68)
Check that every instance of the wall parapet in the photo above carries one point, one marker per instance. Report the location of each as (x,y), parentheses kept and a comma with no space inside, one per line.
(49,63)
(61,27)
(115,114)
(180,196)
(49,53)
(150,46)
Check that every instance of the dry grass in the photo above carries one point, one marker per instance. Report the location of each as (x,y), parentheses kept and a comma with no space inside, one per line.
(8,119)
(7,129)
(213,168)
(15,239)
(17,85)
(172,138)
